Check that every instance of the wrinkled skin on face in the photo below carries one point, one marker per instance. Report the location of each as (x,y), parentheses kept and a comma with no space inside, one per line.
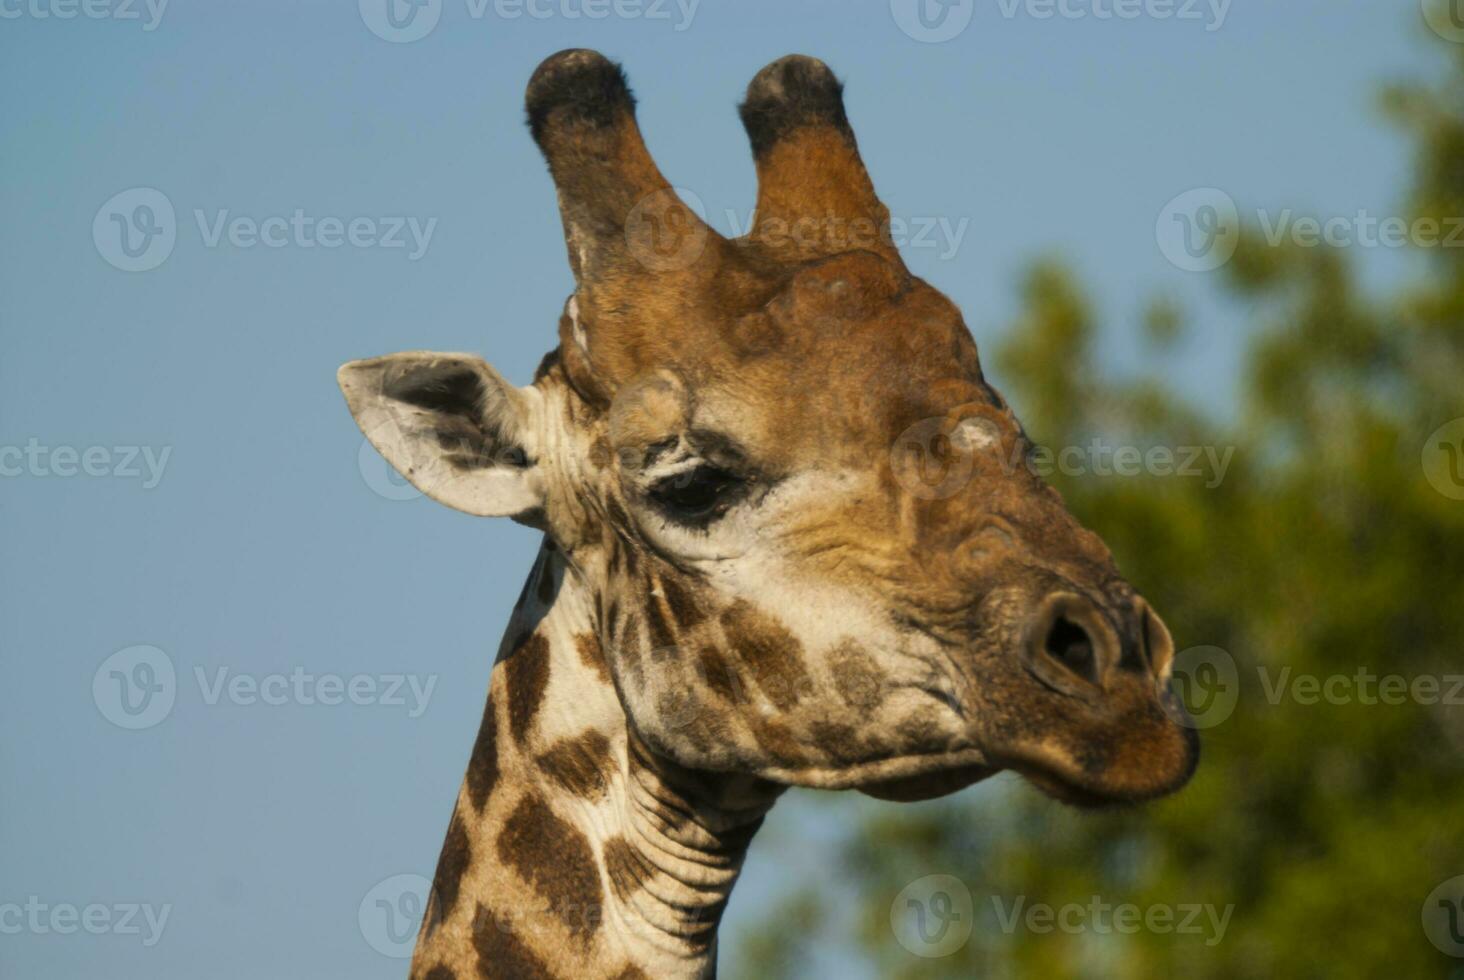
(818,554)
(860,607)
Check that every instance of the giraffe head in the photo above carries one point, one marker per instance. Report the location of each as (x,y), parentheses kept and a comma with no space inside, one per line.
(814,553)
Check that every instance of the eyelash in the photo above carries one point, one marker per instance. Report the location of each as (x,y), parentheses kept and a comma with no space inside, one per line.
(699,496)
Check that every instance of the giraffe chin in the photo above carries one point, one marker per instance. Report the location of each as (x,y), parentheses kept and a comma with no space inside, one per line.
(1079,796)
(927,786)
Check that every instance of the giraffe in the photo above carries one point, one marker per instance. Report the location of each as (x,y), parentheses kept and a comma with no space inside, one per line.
(749,579)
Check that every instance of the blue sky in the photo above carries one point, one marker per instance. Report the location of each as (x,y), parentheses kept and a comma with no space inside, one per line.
(230,524)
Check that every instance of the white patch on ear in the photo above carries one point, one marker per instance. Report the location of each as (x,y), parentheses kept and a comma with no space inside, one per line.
(452,426)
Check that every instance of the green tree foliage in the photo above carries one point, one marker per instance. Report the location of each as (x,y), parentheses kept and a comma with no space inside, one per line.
(1323,551)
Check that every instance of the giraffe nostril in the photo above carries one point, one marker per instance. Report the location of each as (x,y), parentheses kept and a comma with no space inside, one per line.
(1070,645)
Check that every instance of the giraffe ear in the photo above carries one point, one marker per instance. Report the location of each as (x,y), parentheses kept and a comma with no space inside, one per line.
(453,426)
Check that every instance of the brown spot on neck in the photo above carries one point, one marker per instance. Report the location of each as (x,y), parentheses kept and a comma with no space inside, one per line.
(580,764)
(457,854)
(527,677)
(555,858)
(632,972)
(483,765)
(592,655)
(501,954)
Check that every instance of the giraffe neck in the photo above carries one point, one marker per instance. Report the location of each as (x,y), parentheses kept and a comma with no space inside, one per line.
(575,851)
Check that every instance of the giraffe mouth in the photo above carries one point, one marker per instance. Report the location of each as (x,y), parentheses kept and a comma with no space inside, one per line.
(1147,770)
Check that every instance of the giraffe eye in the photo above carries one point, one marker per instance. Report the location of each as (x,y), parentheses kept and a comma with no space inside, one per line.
(697,496)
